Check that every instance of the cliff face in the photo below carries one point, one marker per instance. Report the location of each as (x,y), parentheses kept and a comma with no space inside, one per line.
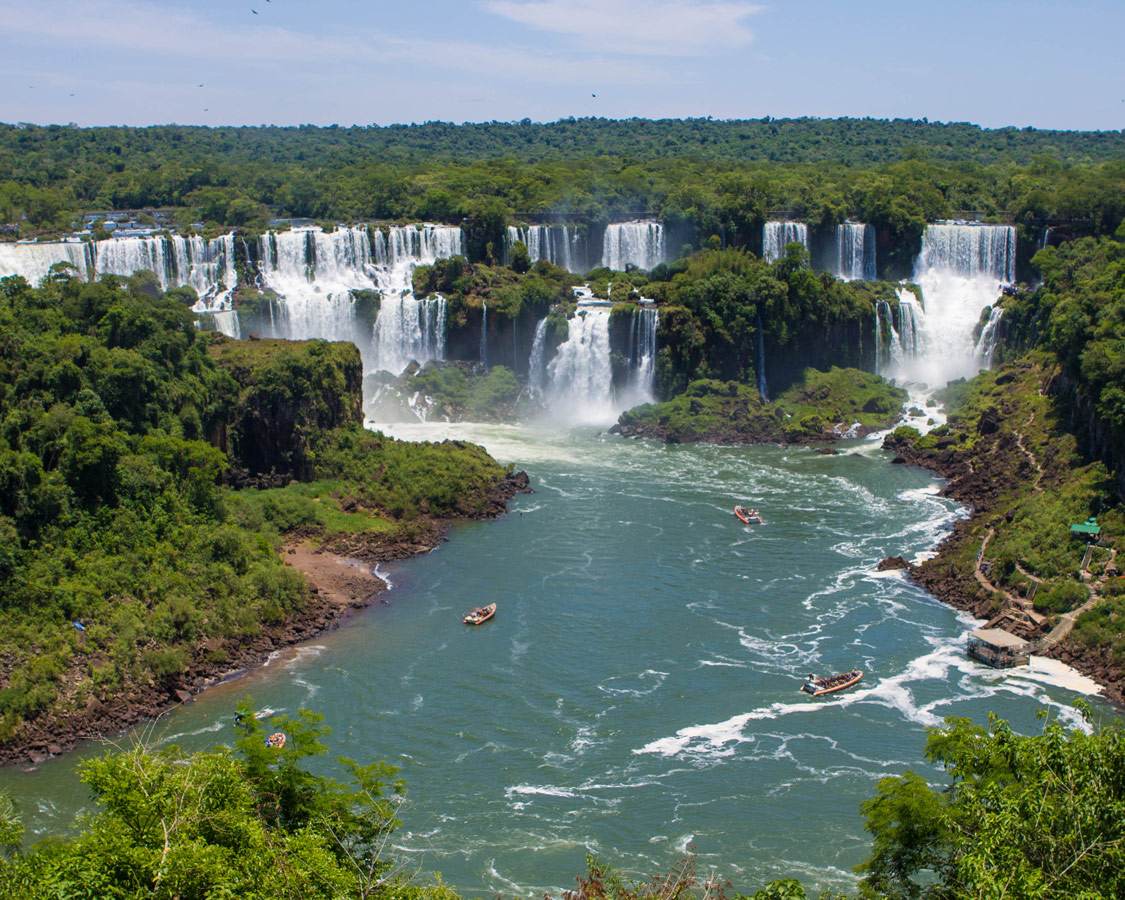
(1097,438)
(288,392)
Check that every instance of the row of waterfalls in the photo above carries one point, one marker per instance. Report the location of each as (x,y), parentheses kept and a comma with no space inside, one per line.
(641,244)
(355,284)
(851,255)
(176,260)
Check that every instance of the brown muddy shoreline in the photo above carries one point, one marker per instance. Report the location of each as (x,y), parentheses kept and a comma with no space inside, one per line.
(339,588)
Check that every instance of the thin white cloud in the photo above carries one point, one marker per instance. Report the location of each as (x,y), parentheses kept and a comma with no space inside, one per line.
(159,64)
(659,27)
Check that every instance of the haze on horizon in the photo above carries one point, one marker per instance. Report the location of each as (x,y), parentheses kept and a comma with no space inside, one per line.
(282,62)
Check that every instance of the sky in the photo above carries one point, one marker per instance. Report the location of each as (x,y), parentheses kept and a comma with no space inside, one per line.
(288,62)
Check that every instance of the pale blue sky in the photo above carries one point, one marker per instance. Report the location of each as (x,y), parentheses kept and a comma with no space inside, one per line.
(140,62)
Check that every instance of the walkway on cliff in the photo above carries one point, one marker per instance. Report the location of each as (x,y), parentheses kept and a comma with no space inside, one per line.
(1066,621)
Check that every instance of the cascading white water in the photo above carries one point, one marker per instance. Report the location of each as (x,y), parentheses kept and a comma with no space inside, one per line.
(639,244)
(961,270)
(124,256)
(642,358)
(776,235)
(484,335)
(970,251)
(855,252)
(315,273)
(407,330)
(986,343)
(580,377)
(33,261)
(535,368)
(763,388)
(888,349)
(177,261)
(561,245)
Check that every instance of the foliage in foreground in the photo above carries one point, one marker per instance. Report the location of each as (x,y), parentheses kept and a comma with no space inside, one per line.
(248,822)
(1034,817)
(1025,817)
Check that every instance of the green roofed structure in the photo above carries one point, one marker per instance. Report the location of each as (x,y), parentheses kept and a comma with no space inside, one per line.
(1088,529)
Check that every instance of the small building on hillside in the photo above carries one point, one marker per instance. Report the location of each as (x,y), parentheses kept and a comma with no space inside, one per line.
(998,648)
(1088,530)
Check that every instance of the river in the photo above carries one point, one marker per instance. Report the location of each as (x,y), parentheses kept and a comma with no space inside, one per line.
(636,694)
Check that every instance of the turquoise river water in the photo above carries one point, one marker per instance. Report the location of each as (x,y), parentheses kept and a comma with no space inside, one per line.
(637,692)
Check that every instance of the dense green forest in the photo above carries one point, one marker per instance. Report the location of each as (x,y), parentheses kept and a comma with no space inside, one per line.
(150,473)
(125,559)
(700,177)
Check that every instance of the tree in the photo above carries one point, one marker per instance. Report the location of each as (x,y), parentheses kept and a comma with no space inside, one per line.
(521,260)
(249,824)
(1039,816)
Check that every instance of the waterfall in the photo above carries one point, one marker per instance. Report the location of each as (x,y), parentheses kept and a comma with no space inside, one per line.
(315,273)
(961,270)
(177,261)
(639,244)
(855,252)
(226,322)
(535,369)
(642,358)
(127,255)
(969,251)
(408,330)
(33,261)
(580,377)
(775,236)
(484,335)
(986,343)
(560,245)
(763,388)
(889,353)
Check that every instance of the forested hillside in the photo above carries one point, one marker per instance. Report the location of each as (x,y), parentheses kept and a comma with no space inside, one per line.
(127,568)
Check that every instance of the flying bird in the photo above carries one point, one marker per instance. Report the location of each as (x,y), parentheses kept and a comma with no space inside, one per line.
(254,11)
(593,95)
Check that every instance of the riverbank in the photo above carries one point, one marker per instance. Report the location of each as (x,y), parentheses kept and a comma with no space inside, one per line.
(1008,461)
(340,572)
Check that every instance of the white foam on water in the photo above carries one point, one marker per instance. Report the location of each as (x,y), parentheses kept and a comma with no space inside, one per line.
(656,679)
(1056,673)
(532,790)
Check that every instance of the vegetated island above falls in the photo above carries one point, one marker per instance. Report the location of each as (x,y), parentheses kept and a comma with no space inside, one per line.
(153,474)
